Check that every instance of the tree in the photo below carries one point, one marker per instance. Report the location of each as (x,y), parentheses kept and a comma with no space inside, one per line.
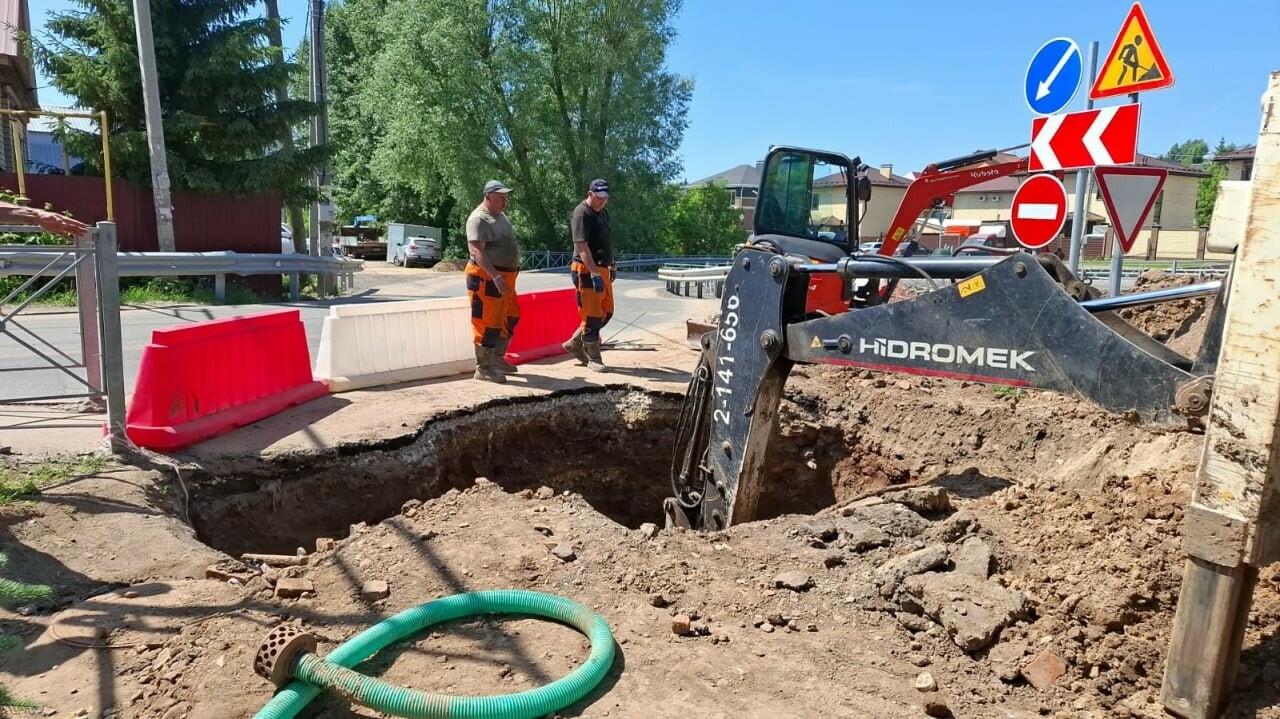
(367,174)
(1191,152)
(703,222)
(1207,190)
(218,78)
(542,94)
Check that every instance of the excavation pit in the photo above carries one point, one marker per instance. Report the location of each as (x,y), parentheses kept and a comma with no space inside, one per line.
(611,446)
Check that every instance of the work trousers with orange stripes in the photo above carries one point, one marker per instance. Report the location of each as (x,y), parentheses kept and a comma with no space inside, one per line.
(493,315)
(595,309)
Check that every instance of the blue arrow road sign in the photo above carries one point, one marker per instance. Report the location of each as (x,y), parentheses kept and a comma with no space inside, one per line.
(1053,77)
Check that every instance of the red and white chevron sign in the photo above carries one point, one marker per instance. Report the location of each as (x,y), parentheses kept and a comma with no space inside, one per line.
(1106,136)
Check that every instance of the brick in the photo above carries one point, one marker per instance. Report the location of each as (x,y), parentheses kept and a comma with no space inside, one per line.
(374,590)
(1044,670)
(325,544)
(291,587)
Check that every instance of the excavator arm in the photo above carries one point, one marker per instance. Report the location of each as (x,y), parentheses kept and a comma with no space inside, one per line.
(1020,321)
(940,181)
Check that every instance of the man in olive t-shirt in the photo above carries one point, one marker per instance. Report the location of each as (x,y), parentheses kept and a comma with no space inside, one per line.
(491,282)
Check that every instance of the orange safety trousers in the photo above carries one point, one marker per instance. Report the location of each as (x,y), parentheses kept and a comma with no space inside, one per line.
(595,309)
(493,315)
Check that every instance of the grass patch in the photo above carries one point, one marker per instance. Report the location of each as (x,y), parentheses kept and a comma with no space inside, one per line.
(17,481)
(175,290)
(135,291)
(1001,390)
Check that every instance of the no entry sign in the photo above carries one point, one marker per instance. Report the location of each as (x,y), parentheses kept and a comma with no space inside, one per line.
(1039,211)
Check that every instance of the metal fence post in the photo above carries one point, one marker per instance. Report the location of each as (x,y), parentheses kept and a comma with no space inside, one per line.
(87,308)
(105,261)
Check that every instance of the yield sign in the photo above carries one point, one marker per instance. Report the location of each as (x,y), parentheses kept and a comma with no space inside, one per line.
(1136,63)
(1129,194)
(1106,136)
(1039,211)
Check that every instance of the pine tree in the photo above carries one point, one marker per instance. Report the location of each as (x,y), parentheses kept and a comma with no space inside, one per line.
(17,593)
(217,76)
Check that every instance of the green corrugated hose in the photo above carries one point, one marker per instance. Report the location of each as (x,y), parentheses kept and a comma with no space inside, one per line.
(313,674)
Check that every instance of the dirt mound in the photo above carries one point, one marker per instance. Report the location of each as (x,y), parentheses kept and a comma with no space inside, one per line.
(1180,324)
(450,265)
(930,545)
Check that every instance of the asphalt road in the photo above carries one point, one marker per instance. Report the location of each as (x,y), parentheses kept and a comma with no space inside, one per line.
(642,301)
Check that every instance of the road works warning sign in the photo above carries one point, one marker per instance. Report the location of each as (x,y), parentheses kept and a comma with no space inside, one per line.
(1136,63)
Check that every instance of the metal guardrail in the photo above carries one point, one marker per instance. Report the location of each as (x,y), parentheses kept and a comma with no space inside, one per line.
(1201,272)
(546,261)
(697,282)
(44,260)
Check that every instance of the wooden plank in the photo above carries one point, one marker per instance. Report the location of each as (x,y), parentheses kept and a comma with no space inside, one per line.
(1233,523)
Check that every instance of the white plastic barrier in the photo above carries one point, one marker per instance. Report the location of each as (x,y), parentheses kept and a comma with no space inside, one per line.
(389,342)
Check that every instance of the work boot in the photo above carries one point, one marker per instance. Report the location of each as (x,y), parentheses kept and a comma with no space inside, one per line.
(574,347)
(485,369)
(592,350)
(500,362)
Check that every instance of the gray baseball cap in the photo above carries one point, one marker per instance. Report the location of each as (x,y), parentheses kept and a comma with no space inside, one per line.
(495,186)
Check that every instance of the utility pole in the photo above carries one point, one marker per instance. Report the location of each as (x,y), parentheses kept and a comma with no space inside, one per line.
(155,125)
(321,211)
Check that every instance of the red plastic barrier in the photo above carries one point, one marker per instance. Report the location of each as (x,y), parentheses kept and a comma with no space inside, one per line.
(207,378)
(547,319)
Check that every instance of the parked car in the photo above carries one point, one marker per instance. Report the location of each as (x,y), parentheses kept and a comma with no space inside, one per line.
(870,247)
(417,251)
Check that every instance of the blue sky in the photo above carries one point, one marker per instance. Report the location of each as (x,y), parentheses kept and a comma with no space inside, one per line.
(908,83)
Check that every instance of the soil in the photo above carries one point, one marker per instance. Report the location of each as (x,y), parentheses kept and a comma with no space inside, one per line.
(932,547)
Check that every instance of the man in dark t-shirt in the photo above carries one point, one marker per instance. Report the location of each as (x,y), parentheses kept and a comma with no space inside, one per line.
(593,274)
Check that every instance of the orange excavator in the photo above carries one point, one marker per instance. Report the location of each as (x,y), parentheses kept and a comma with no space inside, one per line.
(796,295)
(933,188)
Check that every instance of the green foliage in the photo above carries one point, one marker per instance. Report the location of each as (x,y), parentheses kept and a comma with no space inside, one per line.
(357,129)
(135,291)
(703,222)
(12,592)
(217,79)
(20,480)
(1191,152)
(28,238)
(1207,193)
(542,94)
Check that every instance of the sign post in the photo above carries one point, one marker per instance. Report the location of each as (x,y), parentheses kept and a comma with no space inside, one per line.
(1039,211)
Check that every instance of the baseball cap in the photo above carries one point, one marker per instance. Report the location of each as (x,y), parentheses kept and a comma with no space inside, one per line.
(600,187)
(495,186)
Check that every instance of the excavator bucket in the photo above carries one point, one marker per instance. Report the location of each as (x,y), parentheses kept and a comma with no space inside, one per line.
(694,331)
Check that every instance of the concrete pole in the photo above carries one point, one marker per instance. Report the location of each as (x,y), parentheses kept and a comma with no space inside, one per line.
(1232,527)
(321,216)
(1081,215)
(155,126)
